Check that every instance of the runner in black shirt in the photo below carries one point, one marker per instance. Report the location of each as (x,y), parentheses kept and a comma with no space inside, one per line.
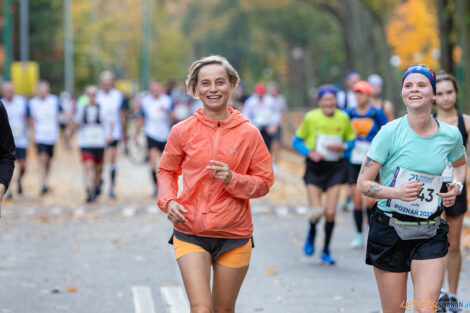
(7,152)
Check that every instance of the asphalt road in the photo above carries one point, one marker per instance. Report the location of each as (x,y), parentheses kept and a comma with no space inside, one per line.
(58,255)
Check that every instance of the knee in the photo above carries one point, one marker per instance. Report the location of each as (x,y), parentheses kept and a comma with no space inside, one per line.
(330,216)
(201,308)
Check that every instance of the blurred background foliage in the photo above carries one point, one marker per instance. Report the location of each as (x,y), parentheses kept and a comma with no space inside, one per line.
(299,43)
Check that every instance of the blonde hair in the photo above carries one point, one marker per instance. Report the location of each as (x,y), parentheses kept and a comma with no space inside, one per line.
(191,79)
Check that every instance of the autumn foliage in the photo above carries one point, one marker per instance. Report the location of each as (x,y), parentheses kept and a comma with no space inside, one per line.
(413,35)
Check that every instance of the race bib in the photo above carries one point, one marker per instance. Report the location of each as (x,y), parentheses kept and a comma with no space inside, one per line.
(93,136)
(46,116)
(448,173)
(181,112)
(16,129)
(263,117)
(359,152)
(157,113)
(427,202)
(323,141)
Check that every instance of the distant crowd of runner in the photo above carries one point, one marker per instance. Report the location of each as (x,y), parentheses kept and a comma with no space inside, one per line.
(408,173)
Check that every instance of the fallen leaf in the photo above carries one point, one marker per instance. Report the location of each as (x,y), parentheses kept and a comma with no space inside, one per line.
(72,289)
(271,271)
(43,219)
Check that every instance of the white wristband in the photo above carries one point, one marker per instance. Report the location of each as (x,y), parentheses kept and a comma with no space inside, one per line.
(460,186)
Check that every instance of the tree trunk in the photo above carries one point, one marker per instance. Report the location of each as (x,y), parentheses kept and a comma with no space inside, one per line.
(446,29)
(463,14)
(386,70)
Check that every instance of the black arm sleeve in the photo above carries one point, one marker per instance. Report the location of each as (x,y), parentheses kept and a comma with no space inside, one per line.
(7,149)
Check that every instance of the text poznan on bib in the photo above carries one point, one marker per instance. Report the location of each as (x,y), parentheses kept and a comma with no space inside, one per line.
(427,202)
(359,152)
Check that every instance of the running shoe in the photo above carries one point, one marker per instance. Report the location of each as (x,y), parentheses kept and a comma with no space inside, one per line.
(443,301)
(112,194)
(348,205)
(309,247)
(358,241)
(327,259)
(44,190)
(453,305)
(98,188)
(8,196)
(155,192)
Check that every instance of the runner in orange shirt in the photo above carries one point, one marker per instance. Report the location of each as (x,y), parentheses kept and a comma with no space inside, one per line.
(224,163)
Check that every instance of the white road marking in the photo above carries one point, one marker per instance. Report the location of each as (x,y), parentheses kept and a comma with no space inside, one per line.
(153,209)
(129,212)
(282,211)
(301,209)
(143,299)
(175,299)
(260,209)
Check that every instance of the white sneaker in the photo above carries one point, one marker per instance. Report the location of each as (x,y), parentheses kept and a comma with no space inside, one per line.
(358,241)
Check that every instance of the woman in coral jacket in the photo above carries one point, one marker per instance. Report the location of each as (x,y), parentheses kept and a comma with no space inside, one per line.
(224,163)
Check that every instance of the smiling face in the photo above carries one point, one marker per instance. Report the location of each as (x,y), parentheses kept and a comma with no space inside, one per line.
(328,104)
(376,90)
(417,92)
(446,95)
(107,82)
(213,87)
(8,91)
(43,90)
(362,98)
(156,89)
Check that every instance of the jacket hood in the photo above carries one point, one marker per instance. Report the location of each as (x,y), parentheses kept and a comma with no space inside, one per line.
(235,119)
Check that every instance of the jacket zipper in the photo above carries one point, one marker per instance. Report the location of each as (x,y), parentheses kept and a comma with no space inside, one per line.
(212,157)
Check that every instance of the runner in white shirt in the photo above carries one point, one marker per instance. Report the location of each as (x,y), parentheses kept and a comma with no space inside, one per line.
(155,110)
(114,105)
(91,140)
(347,99)
(281,104)
(262,111)
(44,110)
(17,111)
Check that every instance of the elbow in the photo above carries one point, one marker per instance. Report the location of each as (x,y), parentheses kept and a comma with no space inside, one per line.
(360,186)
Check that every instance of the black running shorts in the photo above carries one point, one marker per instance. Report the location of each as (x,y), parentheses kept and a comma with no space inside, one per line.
(386,251)
(48,149)
(152,143)
(323,174)
(21,153)
(353,173)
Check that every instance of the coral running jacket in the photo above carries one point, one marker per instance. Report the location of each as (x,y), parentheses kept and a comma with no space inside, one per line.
(215,209)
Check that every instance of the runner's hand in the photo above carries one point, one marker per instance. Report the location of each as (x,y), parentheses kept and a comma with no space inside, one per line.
(315,156)
(448,198)
(221,171)
(336,147)
(410,190)
(175,211)
(272,129)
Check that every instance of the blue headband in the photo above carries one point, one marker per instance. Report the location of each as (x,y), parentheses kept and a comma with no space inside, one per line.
(325,89)
(423,70)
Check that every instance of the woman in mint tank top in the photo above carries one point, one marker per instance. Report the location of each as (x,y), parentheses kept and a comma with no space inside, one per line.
(446,111)
(406,231)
